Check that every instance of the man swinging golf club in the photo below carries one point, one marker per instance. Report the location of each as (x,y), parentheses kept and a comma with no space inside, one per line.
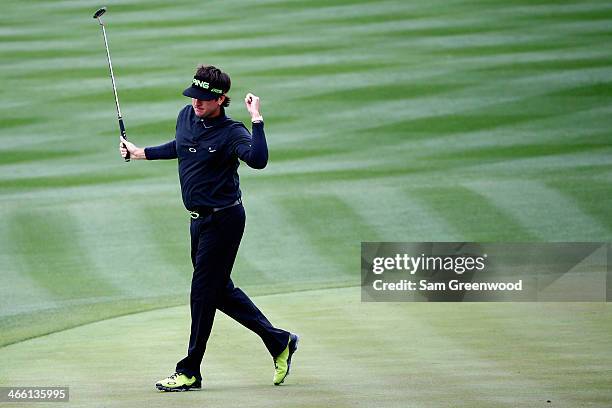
(208,145)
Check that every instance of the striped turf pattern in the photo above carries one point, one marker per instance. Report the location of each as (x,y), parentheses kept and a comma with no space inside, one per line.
(391,120)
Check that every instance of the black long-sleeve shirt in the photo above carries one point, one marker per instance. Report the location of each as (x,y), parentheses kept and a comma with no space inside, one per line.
(208,151)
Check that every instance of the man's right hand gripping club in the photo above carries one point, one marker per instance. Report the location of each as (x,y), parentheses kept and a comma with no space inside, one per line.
(136,153)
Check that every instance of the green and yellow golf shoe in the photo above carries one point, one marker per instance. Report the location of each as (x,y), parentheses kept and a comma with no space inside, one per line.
(282,363)
(178,382)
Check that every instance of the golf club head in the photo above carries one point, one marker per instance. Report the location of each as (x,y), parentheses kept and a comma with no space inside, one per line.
(99,13)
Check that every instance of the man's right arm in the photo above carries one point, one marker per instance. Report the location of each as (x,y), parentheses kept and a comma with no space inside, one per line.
(166,151)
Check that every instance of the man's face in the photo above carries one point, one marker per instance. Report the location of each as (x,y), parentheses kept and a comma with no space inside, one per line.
(205,109)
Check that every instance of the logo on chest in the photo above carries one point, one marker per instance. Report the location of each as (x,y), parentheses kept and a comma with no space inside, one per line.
(211,149)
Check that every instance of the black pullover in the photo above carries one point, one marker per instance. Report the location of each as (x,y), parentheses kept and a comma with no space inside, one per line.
(208,151)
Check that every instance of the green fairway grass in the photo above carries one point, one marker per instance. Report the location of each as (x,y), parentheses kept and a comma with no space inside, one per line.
(351,354)
(386,121)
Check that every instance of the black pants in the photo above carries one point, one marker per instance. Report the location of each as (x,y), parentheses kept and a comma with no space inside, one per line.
(215,238)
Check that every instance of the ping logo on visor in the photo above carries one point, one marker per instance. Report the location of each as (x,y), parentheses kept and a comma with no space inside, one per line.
(205,85)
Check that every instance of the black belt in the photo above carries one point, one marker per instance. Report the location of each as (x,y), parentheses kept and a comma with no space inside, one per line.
(202,211)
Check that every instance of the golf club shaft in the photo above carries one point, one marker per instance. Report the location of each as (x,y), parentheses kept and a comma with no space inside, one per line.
(110,66)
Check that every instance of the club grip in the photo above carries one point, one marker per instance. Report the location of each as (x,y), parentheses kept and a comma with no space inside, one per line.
(122,129)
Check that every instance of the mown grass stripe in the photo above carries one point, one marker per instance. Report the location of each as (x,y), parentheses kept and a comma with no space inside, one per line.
(471,214)
(395,215)
(331,227)
(544,212)
(272,245)
(12,299)
(590,196)
(294,257)
(47,245)
(152,265)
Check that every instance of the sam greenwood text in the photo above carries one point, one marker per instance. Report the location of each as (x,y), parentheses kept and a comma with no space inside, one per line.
(454,285)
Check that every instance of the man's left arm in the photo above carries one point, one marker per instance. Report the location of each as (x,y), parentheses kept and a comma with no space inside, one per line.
(253,152)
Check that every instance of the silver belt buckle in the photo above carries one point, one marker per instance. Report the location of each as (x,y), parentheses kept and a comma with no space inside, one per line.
(194,215)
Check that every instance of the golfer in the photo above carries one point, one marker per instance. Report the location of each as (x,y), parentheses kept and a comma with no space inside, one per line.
(208,145)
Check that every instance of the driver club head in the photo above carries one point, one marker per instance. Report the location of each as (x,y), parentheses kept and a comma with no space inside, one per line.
(99,13)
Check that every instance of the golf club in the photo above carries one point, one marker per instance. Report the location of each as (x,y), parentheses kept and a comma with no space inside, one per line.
(98,14)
